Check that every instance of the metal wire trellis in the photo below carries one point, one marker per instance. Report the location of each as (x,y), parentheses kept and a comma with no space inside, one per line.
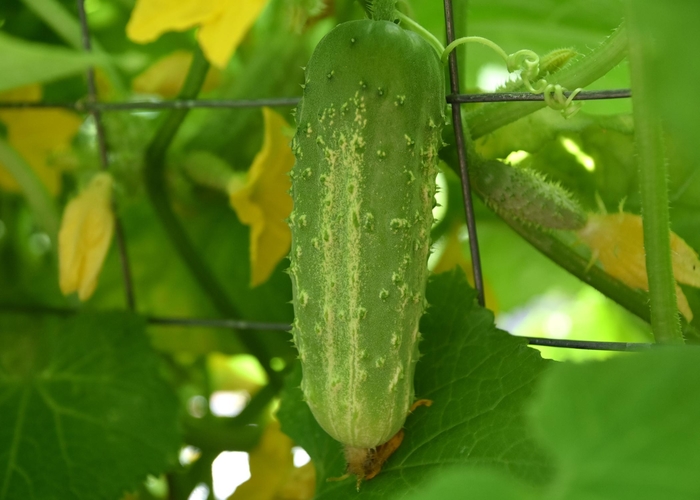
(104,159)
(92,106)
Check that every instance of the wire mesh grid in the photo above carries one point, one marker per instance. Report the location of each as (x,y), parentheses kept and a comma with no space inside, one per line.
(94,108)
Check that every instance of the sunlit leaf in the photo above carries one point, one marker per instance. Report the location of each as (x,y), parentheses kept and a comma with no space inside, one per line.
(84,413)
(264,203)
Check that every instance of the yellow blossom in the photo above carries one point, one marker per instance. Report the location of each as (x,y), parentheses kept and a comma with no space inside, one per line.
(263,202)
(453,256)
(617,241)
(84,238)
(222,23)
(272,472)
(39,135)
(166,76)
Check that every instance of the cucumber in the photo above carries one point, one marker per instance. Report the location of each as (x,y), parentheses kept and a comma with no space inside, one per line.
(363,185)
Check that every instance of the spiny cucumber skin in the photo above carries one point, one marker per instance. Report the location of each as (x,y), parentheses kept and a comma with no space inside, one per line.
(369,129)
(526,195)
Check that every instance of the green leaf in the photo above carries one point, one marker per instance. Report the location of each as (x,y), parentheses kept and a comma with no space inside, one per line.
(623,429)
(23,62)
(482,484)
(83,411)
(65,24)
(478,379)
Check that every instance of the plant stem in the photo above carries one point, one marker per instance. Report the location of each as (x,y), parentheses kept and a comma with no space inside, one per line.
(424,33)
(156,188)
(654,198)
(562,253)
(34,190)
(577,74)
(382,10)
(474,39)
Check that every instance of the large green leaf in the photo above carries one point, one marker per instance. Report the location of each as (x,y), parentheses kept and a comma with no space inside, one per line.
(83,411)
(478,378)
(622,429)
(24,62)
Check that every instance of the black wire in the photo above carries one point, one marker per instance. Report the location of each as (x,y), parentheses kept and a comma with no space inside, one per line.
(590,95)
(92,106)
(86,106)
(248,327)
(462,158)
(104,159)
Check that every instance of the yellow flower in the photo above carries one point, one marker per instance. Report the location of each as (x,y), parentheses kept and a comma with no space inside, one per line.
(270,462)
(263,202)
(85,236)
(617,241)
(166,76)
(453,256)
(222,23)
(39,135)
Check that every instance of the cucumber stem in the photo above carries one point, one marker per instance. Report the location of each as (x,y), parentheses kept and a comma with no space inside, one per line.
(654,198)
(383,10)
(474,39)
(427,35)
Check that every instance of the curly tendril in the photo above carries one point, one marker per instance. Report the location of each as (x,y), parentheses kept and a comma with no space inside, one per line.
(528,63)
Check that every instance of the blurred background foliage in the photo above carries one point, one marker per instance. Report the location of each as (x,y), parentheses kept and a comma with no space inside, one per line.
(591,155)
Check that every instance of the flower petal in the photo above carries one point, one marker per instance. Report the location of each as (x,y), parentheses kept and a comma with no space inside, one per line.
(617,241)
(84,238)
(220,36)
(686,265)
(453,256)
(151,18)
(264,202)
(166,76)
(271,463)
(38,135)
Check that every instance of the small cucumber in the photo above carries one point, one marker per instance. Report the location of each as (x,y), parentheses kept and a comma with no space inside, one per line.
(366,146)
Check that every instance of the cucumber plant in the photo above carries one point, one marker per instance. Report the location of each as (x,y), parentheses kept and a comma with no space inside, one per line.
(369,130)
(368,134)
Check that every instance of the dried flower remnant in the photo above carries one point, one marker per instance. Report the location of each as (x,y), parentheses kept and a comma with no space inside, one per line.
(617,241)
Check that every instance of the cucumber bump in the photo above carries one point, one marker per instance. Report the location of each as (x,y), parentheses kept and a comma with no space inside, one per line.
(366,146)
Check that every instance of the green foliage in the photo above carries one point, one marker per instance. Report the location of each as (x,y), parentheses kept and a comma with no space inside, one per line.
(83,411)
(478,378)
(621,429)
(23,63)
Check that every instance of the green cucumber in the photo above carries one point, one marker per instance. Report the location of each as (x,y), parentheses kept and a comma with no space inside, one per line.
(366,146)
